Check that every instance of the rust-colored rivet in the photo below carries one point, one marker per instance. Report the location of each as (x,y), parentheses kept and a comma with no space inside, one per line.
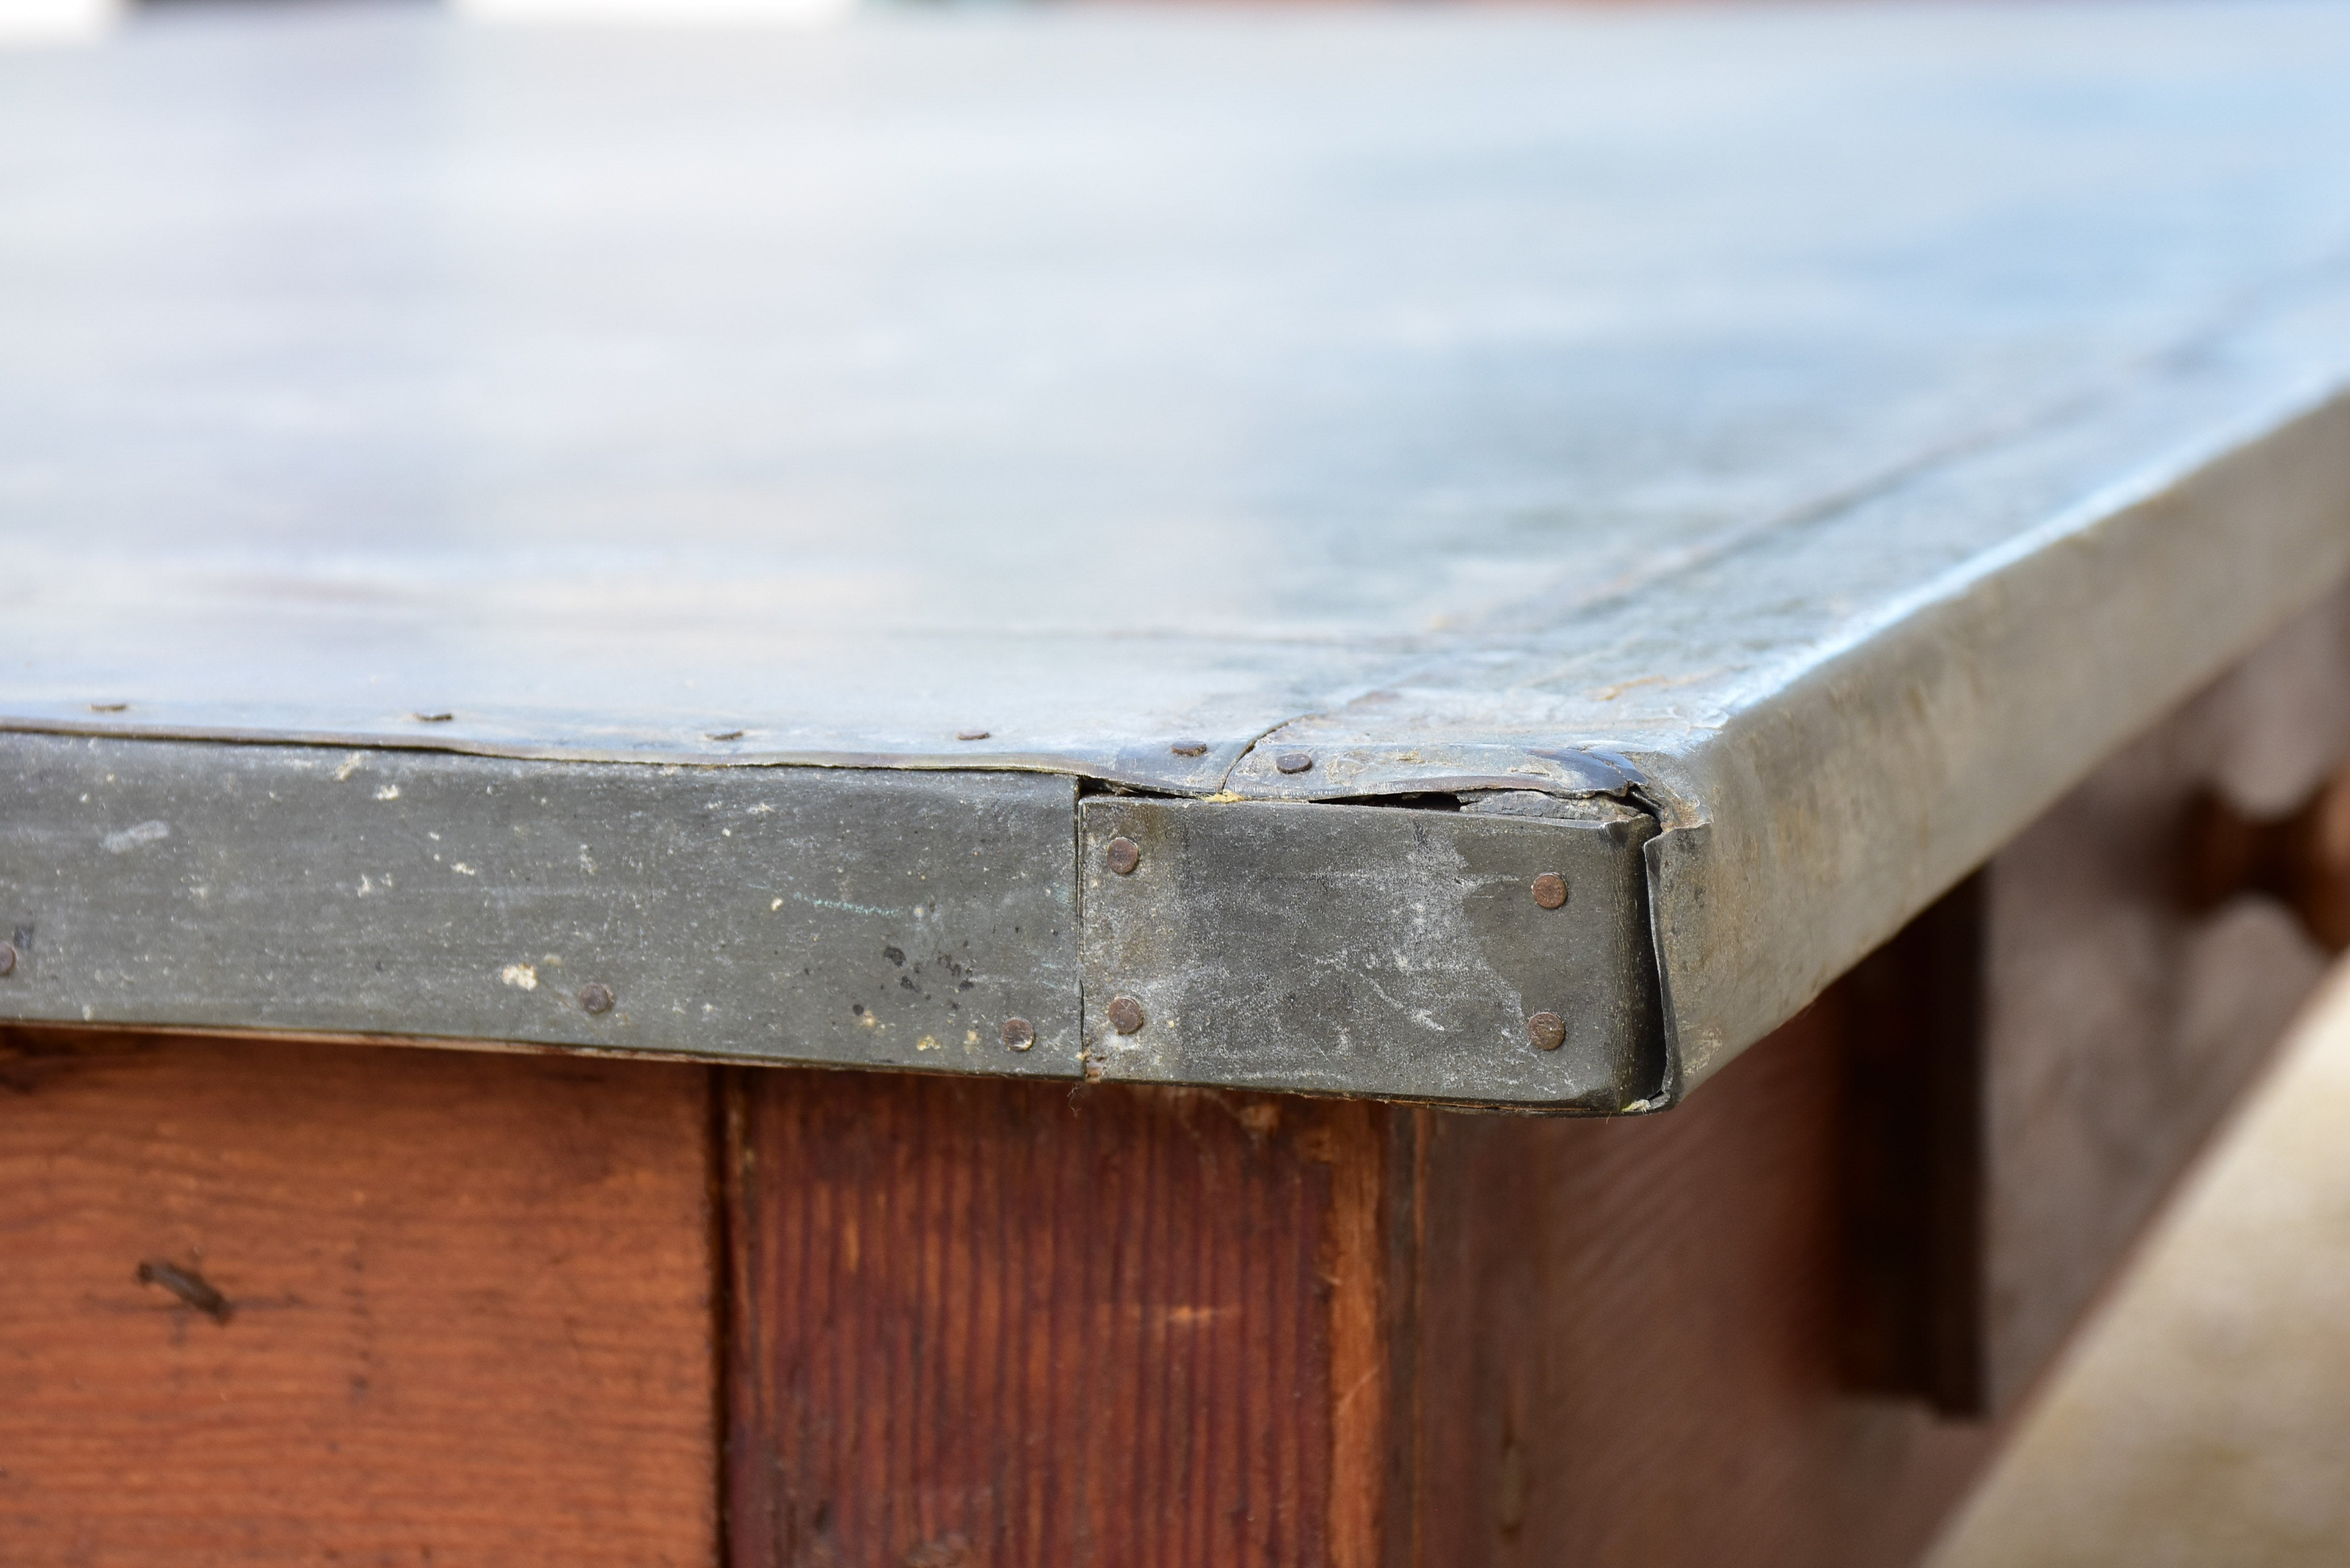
(1547,1030)
(7,957)
(1019,1033)
(1190,748)
(1550,890)
(595,997)
(971,734)
(1125,1014)
(1293,761)
(1123,855)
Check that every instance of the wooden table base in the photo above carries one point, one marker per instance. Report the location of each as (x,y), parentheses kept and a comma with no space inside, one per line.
(474,1304)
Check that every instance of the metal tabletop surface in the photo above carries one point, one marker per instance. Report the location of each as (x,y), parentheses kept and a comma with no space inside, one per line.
(788,500)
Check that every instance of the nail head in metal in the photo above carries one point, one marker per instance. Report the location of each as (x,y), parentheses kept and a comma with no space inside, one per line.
(595,997)
(1019,1033)
(7,957)
(1550,890)
(1125,1014)
(1293,761)
(1123,855)
(1546,1030)
(971,734)
(1188,748)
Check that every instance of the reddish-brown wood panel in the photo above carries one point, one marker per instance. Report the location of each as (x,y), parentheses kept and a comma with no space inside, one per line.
(1628,1339)
(1003,1324)
(467,1301)
(989,1322)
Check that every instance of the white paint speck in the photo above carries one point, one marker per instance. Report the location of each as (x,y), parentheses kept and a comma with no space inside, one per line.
(521,976)
(461,869)
(388,792)
(351,765)
(774,907)
(131,838)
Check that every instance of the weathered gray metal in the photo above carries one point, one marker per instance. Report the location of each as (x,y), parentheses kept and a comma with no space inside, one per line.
(1374,950)
(865,917)
(1834,431)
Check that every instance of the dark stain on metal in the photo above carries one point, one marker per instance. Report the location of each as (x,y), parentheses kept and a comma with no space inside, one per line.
(433,718)
(1123,856)
(1550,890)
(192,1287)
(1546,1030)
(107,707)
(7,959)
(894,955)
(595,997)
(1188,748)
(1019,1033)
(971,734)
(1294,762)
(724,735)
(1125,1014)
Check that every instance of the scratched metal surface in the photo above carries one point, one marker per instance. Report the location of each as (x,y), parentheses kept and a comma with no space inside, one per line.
(858,917)
(1862,421)
(1363,949)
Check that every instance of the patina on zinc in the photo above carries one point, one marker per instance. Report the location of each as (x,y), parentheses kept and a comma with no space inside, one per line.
(1698,412)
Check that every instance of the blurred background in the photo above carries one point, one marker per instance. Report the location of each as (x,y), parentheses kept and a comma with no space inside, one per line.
(66,20)
(2204,1415)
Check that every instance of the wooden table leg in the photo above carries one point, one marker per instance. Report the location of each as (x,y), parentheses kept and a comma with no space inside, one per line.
(988,1323)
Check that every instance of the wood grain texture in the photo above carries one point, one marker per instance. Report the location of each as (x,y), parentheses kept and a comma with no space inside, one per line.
(995,1323)
(982,1324)
(1627,1340)
(468,1317)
